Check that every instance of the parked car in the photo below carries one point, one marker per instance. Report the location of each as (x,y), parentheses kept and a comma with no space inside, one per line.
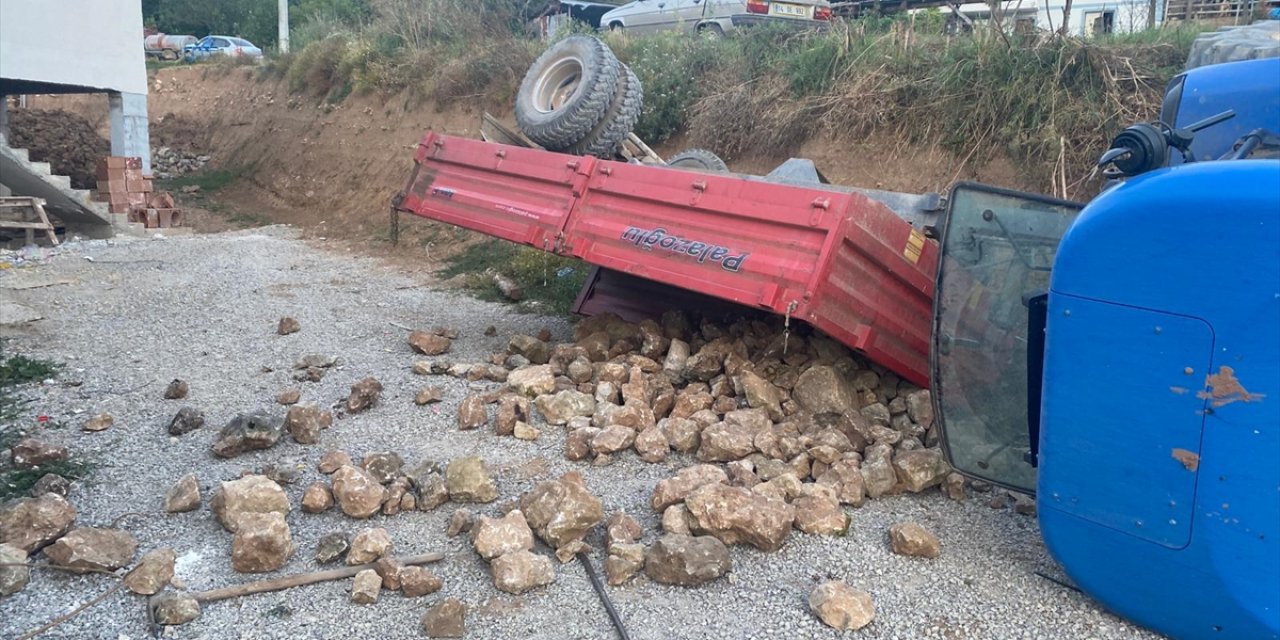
(210,46)
(713,17)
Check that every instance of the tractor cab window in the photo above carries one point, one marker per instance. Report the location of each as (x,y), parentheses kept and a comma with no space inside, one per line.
(997,251)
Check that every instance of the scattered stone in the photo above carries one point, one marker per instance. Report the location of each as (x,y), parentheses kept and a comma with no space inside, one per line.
(429,344)
(911,539)
(13,578)
(30,452)
(1024,505)
(429,395)
(187,419)
(365,587)
(490,331)
(820,515)
(317,498)
(100,422)
(183,496)
(176,390)
(250,494)
(369,545)
(723,442)
(687,561)
(316,361)
(684,435)
(331,547)
(391,571)
(445,620)
(364,394)
(384,466)
(417,581)
(262,543)
(676,520)
(396,491)
(840,606)
(520,571)
(877,470)
(762,394)
(736,515)
(332,460)
(532,381)
(558,409)
(621,529)
(357,493)
(821,389)
(493,537)
(525,431)
(920,408)
(248,432)
(472,413)
(846,478)
(289,396)
(460,522)
(174,608)
(153,572)
(613,439)
(651,444)
(675,489)
(953,486)
(31,523)
(535,350)
(562,511)
(51,483)
(305,423)
(468,480)
(920,469)
(288,325)
(86,549)
(623,563)
(432,492)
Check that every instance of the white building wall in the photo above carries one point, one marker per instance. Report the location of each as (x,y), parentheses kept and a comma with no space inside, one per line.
(85,43)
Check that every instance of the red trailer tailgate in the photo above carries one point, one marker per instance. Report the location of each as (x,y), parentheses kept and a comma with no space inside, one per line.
(513,193)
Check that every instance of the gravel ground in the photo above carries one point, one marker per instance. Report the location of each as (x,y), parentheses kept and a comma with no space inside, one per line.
(204,309)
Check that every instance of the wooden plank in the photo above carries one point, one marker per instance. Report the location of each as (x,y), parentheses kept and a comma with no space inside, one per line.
(493,131)
(38,226)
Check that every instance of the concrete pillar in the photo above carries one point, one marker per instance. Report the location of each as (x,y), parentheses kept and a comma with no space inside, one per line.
(129,129)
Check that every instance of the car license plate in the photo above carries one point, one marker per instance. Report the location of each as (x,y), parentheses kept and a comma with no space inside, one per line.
(786,10)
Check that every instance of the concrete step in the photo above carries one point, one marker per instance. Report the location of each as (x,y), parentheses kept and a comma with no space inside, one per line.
(62,182)
(72,206)
(40,168)
(23,154)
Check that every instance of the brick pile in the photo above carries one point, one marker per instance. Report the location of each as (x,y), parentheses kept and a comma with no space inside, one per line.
(125,189)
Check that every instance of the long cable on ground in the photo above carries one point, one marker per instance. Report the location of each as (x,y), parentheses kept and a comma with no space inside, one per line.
(604,597)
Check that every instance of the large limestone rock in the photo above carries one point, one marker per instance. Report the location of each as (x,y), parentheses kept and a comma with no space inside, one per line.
(468,480)
(821,389)
(820,515)
(520,571)
(153,572)
(445,620)
(86,549)
(675,489)
(369,545)
(493,537)
(651,445)
(761,393)
(877,470)
(383,466)
(845,478)
(13,578)
(920,469)
(429,344)
(562,511)
(304,423)
(625,561)
(723,442)
(357,493)
(174,608)
(365,587)
(559,408)
(317,498)
(686,561)
(840,606)
(417,581)
(31,523)
(183,496)
(472,413)
(30,452)
(912,539)
(736,515)
(250,494)
(248,432)
(262,543)
(533,381)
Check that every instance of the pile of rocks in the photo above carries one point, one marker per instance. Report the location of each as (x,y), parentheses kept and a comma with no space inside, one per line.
(168,163)
(67,141)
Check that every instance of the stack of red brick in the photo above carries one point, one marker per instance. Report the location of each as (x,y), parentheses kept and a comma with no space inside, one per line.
(125,189)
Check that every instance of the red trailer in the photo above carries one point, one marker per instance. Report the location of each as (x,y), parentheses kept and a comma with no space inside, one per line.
(834,257)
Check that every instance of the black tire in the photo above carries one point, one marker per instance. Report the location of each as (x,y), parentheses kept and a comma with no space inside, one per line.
(567,92)
(606,137)
(711,31)
(698,160)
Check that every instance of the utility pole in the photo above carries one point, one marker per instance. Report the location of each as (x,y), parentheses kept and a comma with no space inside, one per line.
(283,39)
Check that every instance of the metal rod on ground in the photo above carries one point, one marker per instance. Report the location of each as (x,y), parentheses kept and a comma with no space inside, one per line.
(604,597)
(298,580)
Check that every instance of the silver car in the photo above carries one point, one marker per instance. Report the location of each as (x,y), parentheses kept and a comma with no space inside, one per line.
(713,17)
(229,46)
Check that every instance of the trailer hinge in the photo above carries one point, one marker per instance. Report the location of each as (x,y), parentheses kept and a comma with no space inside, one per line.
(786,325)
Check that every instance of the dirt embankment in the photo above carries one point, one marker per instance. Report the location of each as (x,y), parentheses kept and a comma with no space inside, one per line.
(331,169)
